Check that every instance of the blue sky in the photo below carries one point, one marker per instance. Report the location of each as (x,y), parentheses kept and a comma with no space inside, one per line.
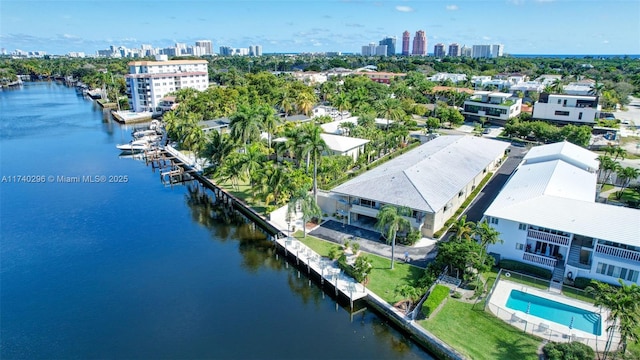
(523,26)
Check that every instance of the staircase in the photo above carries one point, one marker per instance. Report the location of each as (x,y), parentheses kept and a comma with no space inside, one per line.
(574,254)
(557,278)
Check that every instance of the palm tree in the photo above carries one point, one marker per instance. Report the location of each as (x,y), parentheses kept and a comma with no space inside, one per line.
(623,304)
(268,121)
(252,161)
(313,145)
(487,236)
(626,174)
(286,102)
(245,125)
(304,102)
(392,219)
(341,102)
(390,109)
(463,229)
(310,209)
(557,86)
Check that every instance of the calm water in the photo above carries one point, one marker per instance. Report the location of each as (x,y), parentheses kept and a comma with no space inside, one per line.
(140,270)
(559,313)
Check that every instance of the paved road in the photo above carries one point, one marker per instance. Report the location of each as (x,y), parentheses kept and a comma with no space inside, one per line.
(477,208)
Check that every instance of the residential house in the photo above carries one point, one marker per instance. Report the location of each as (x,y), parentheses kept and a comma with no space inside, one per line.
(495,107)
(567,109)
(344,145)
(432,180)
(547,216)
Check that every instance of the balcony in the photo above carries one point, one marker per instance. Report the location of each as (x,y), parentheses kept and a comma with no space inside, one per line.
(539,259)
(618,252)
(550,238)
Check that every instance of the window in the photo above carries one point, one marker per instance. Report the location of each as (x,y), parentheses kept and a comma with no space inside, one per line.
(562,113)
(461,193)
(519,246)
(494,220)
(579,116)
(522,227)
(601,269)
(559,101)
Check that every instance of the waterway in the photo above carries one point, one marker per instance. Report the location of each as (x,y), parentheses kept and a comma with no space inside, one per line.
(135,269)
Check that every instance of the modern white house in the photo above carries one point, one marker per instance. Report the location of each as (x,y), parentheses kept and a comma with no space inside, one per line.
(335,127)
(344,145)
(496,107)
(547,215)
(448,76)
(149,81)
(432,180)
(567,109)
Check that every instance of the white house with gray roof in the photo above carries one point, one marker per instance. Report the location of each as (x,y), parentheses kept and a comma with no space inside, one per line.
(432,180)
(343,145)
(547,216)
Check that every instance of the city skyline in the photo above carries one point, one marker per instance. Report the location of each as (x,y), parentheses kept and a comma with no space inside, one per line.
(522,26)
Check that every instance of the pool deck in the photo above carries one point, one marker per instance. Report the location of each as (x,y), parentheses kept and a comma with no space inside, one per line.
(543,328)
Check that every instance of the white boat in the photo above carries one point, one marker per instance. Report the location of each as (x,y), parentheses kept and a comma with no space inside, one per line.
(141,133)
(135,146)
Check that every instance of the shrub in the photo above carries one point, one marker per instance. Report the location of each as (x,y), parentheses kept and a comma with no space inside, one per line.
(456,295)
(334,252)
(568,351)
(355,247)
(435,298)
(526,269)
(581,282)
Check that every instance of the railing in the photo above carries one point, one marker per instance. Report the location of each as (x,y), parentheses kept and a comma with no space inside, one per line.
(551,238)
(538,259)
(617,252)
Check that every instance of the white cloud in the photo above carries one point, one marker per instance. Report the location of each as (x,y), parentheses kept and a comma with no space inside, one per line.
(452,7)
(69,36)
(486,38)
(605,41)
(404,8)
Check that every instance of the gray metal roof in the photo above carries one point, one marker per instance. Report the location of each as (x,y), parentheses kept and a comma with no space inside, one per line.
(428,177)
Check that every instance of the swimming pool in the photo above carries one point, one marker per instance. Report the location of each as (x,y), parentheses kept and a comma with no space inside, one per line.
(559,313)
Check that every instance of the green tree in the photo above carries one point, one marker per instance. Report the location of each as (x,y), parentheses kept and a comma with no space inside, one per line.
(389,109)
(432,123)
(392,219)
(311,143)
(245,125)
(463,229)
(623,304)
(626,174)
(310,209)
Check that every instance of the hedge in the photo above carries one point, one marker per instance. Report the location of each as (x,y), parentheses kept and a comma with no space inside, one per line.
(526,269)
(581,282)
(435,298)
(571,350)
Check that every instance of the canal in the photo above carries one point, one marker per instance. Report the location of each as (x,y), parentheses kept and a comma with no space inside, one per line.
(130,268)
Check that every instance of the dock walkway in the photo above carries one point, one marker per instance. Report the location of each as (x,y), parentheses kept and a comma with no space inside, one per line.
(326,269)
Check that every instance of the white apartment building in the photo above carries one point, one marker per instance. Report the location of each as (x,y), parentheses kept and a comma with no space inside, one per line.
(496,107)
(149,81)
(547,216)
(448,76)
(567,109)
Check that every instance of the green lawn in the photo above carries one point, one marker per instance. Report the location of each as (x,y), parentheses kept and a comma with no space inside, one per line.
(606,187)
(627,195)
(491,275)
(382,280)
(576,294)
(243,192)
(480,335)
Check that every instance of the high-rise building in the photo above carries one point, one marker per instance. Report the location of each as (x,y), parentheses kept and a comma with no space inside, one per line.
(390,43)
(497,50)
(405,43)
(420,43)
(466,51)
(438,50)
(454,49)
(207,45)
(149,81)
(481,51)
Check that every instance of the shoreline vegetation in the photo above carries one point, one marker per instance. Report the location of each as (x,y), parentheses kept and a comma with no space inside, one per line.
(291,162)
